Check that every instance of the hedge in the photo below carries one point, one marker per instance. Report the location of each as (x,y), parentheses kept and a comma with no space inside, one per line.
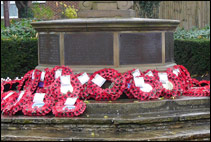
(20,56)
(194,54)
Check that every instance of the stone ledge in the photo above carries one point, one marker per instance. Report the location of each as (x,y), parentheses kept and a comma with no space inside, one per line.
(195,132)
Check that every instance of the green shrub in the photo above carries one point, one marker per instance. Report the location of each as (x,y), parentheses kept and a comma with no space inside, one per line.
(193,33)
(18,29)
(18,57)
(194,54)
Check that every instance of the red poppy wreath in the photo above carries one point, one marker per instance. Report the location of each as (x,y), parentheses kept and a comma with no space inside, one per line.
(9,84)
(70,107)
(129,78)
(16,105)
(171,87)
(29,80)
(39,106)
(201,89)
(83,78)
(64,87)
(56,72)
(145,87)
(96,89)
(8,98)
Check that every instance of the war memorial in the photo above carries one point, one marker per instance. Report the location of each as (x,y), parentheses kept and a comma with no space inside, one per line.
(108,35)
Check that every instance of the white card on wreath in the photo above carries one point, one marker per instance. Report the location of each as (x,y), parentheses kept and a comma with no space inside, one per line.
(20,96)
(146,88)
(149,73)
(66,86)
(58,73)
(70,101)
(98,80)
(42,78)
(136,73)
(39,97)
(139,81)
(8,95)
(33,74)
(163,77)
(176,71)
(84,78)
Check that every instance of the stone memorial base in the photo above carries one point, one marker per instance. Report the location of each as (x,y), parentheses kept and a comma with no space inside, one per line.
(185,118)
(90,44)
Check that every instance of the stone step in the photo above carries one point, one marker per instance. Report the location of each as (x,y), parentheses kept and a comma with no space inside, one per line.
(134,106)
(122,116)
(129,123)
(192,133)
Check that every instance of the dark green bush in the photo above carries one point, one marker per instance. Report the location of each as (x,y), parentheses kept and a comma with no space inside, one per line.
(194,54)
(18,57)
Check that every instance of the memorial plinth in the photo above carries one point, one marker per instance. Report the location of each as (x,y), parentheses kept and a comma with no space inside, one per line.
(90,44)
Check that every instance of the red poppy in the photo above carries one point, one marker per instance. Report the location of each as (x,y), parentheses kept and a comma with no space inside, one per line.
(62,110)
(145,87)
(115,89)
(16,105)
(60,91)
(129,78)
(41,108)
(172,86)
(27,82)
(55,73)
(8,98)
(83,89)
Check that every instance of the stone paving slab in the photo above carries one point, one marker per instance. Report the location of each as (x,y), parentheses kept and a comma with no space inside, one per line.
(196,132)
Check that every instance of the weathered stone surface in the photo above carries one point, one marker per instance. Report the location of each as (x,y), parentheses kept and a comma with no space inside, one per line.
(195,132)
(105,24)
(106,13)
(103,5)
(169,47)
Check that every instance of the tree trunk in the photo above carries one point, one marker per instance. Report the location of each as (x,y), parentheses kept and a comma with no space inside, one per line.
(6,14)
(23,8)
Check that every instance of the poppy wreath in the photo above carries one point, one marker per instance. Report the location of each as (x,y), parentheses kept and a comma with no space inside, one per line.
(177,87)
(154,73)
(129,78)
(16,105)
(9,85)
(83,89)
(54,90)
(29,80)
(39,80)
(201,88)
(177,76)
(185,76)
(8,98)
(60,110)
(204,83)
(114,91)
(2,89)
(30,109)
(198,91)
(142,95)
(51,75)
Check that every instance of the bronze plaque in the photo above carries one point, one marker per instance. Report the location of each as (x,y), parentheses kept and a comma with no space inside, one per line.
(88,48)
(169,49)
(140,48)
(49,52)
